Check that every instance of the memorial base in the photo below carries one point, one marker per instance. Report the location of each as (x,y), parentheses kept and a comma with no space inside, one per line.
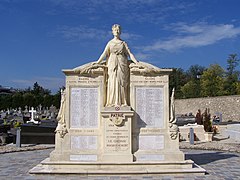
(119,157)
(134,168)
(117,134)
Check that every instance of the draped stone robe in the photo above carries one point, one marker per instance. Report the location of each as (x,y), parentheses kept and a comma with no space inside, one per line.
(118,73)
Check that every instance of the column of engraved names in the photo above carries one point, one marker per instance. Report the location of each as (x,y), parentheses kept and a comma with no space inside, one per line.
(84,107)
(149,106)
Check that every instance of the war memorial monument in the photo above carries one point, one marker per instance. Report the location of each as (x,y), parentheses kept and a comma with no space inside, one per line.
(116,118)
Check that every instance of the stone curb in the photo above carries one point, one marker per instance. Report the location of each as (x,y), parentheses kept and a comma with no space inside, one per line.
(212,146)
(12,149)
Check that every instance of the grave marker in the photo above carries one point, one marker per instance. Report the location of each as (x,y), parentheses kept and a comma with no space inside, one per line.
(32,111)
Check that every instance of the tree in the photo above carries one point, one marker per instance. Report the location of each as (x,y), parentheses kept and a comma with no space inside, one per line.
(38,100)
(176,80)
(195,72)
(17,100)
(29,99)
(238,88)
(193,86)
(212,81)
(39,90)
(190,89)
(230,83)
(5,101)
(47,100)
(57,97)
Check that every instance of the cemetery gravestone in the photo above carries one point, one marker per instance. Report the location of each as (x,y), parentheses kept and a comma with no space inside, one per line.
(3,115)
(52,111)
(32,111)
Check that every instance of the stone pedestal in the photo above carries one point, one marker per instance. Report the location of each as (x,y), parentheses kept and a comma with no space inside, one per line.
(117,134)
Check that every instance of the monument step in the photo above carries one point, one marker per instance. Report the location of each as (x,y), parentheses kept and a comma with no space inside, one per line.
(97,168)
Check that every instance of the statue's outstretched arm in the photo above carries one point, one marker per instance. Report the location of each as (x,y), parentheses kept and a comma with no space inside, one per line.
(103,55)
(130,54)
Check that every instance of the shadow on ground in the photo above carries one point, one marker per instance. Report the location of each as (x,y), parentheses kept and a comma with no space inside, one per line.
(208,157)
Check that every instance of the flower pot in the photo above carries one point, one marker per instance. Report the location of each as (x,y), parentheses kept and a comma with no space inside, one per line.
(208,136)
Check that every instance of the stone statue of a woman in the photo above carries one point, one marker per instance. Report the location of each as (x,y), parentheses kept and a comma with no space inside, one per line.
(61,127)
(116,53)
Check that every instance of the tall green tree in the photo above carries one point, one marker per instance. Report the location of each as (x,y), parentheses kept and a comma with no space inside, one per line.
(212,81)
(231,80)
(176,80)
(193,88)
(195,72)
(39,90)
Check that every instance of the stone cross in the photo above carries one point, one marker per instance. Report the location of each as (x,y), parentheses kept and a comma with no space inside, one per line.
(32,111)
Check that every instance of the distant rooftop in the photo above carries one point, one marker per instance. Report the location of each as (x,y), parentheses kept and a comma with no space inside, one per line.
(6,90)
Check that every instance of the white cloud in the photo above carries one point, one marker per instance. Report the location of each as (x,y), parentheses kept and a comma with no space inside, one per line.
(81,32)
(142,56)
(130,10)
(129,36)
(196,35)
(86,33)
(51,83)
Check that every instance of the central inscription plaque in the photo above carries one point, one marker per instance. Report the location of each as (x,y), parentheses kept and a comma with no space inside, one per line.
(149,107)
(116,138)
(84,107)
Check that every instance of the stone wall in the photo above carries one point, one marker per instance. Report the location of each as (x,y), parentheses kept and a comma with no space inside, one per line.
(228,106)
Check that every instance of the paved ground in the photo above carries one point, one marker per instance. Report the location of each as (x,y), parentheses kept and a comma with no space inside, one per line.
(219,165)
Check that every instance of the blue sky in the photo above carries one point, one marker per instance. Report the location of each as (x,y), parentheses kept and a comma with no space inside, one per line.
(39,38)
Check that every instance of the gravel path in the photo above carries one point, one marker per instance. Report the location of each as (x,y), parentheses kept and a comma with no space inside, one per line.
(219,166)
(220,158)
(215,145)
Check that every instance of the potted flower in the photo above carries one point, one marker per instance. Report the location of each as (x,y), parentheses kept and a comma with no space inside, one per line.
(207,123)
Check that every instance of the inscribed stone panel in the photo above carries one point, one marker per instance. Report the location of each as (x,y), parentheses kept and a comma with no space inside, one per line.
(116,138)
(84,142)
(84,107)
(150,157)
(83,157)
(151,142)
(149,107)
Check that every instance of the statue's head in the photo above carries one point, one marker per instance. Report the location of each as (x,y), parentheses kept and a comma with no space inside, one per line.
(116,30)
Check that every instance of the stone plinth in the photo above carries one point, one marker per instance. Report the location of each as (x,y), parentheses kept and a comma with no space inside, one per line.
(134,168)
(117,134)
